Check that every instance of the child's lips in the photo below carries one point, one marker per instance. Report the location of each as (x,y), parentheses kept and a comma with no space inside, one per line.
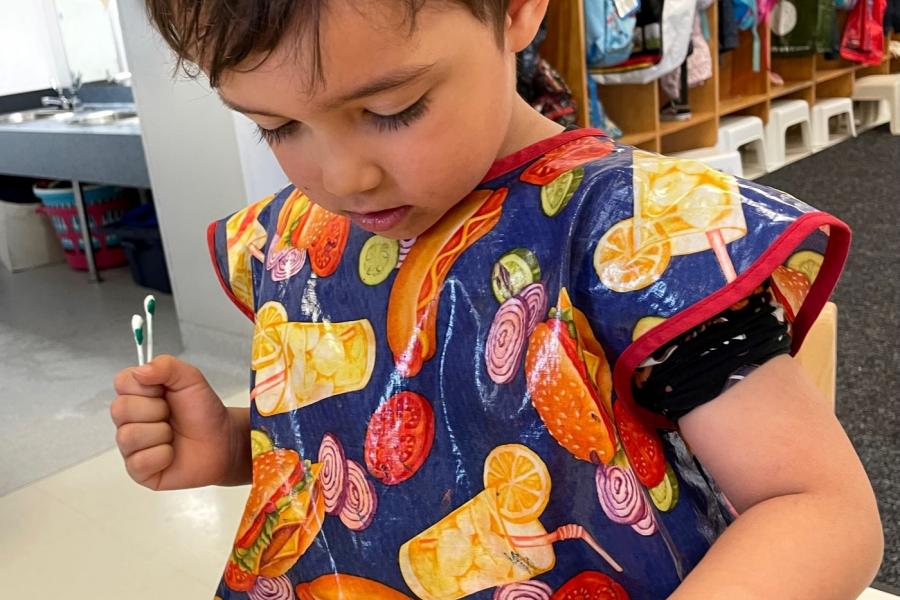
(381,220)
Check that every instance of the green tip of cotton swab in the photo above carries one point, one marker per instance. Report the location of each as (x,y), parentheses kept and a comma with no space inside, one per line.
(149,310)
(137,328)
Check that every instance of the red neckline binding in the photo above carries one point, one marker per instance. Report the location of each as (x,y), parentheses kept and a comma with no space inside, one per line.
(518,158)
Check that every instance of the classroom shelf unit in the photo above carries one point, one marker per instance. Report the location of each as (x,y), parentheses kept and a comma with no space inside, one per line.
(733,89)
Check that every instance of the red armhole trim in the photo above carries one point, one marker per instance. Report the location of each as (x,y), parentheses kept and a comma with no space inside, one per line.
(771,259)
(211,243)
(511,162)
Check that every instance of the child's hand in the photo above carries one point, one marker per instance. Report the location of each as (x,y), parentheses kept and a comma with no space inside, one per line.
(172,428)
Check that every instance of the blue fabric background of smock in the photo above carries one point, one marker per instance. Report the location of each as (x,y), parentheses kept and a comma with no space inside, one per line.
(473,415)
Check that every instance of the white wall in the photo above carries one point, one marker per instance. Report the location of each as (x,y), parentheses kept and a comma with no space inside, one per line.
(27,61)
(89,39)
(262,173)
(202,167)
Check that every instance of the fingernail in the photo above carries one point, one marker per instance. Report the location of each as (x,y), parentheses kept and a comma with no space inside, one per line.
(143,370)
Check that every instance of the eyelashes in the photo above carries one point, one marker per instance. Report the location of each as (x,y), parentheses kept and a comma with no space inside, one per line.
(382,123)
(404,118)
(277,135)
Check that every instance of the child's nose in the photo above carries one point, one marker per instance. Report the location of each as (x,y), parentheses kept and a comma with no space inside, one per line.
(350,177)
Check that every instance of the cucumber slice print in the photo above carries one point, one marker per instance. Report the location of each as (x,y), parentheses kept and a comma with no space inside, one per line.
(378,257)
(260,443)
(807,262)
(513,272)
(665,495)
(556,194)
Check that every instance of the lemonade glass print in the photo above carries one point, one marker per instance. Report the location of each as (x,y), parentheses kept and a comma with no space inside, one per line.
(298,364)
(487,541)
(681,207)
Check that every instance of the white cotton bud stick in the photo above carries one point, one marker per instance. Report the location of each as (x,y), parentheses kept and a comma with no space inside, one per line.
(149,310)
(137,328)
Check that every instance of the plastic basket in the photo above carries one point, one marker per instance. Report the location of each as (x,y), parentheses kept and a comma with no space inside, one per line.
(104,206)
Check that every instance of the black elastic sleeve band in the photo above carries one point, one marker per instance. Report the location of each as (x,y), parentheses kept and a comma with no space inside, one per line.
(695,367)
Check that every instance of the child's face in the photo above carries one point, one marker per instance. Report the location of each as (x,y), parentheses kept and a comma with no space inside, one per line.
(403,127)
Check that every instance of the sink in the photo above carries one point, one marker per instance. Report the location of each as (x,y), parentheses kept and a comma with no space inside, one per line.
(101,117)
(26,116)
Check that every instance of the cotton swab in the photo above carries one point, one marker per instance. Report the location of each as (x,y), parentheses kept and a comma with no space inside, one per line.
(137,328)
(149,310)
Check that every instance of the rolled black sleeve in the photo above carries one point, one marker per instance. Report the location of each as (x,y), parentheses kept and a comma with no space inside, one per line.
(700,364)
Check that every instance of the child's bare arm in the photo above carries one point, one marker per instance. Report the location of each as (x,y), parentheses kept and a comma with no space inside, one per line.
(173,430)
(808,524)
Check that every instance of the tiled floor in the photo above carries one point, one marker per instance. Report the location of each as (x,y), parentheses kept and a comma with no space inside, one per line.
(107,537)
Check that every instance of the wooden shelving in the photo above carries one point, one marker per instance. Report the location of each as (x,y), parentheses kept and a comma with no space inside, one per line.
(789,87)
(829,74)
(728,106)
(734,87)
(639,138)
(668,127)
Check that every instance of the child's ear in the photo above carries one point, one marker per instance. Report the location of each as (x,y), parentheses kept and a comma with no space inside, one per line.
(523,18)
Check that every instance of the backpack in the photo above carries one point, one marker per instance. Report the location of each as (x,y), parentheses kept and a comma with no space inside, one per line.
(609,36)
(747,17)
(863,40)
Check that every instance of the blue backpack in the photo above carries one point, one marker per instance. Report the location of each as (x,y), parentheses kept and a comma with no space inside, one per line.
(609,36)
(747,16)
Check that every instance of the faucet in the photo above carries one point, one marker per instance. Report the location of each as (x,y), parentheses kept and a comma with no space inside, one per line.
(66,98)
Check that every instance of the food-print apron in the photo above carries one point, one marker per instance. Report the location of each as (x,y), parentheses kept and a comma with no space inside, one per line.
(451,416)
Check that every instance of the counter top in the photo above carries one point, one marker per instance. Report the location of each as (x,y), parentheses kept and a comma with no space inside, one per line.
(111,154)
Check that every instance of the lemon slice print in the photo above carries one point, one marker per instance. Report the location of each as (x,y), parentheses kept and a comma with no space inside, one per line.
(520,480)
(624,268)
(266,338)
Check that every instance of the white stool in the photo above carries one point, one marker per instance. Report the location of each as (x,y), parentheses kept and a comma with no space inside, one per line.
(881,87)
(727,161)
(823,112)
(744,133)
(785,146)
(871,114)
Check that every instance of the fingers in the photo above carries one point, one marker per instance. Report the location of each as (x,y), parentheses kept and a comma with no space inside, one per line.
(138,409)
(145,466)
(170,373)
(132,438)
(125,383)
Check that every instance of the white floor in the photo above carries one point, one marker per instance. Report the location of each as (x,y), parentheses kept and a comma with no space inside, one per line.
(106,537)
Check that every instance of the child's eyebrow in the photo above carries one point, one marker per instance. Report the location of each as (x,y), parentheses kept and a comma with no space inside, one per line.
(392,80)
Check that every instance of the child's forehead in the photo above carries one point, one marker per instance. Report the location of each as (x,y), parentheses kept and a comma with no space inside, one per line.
(353,46)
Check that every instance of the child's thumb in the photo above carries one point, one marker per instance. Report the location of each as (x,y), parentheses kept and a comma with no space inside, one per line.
(168,372)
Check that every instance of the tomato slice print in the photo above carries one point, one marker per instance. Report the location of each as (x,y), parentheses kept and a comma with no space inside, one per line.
(399,437)
(642,446)
(238,579)
(565,158)
(591,585)
(326,250)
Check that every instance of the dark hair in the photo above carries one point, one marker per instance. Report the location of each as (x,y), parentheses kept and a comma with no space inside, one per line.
(218,35)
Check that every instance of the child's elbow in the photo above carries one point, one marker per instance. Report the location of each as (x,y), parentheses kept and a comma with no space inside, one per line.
(864,537)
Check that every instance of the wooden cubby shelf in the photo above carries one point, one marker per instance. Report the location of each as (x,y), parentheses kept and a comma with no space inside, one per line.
(728,106)
(789,87)
(735,88)
(638,139)
(667,127)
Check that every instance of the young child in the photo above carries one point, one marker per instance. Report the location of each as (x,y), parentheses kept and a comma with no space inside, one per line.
(492,358)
